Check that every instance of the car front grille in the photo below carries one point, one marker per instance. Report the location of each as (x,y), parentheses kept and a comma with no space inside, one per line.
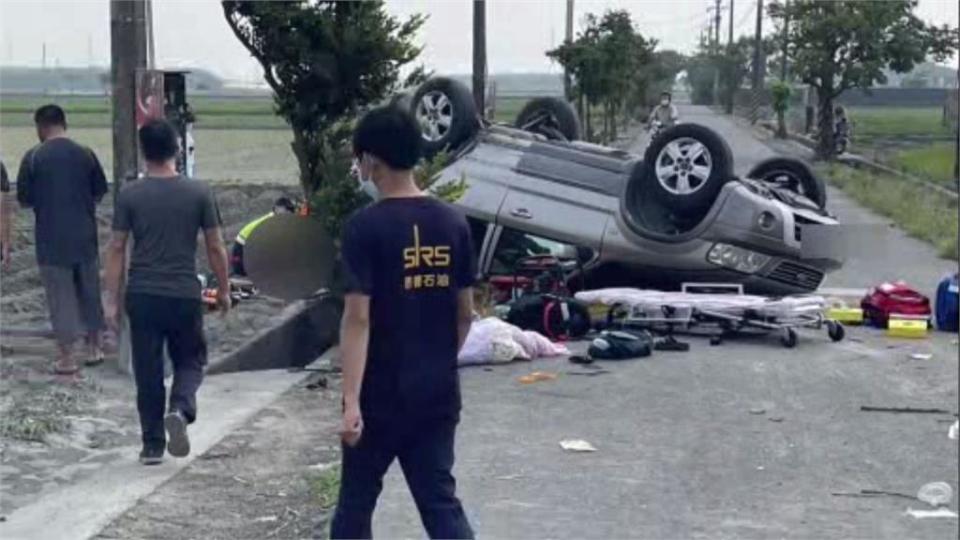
(797,275)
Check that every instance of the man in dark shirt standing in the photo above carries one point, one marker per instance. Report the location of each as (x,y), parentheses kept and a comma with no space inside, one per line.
(164,212)
(63,182)
(409,268)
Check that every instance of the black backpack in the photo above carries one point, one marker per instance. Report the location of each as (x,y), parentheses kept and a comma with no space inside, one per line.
(620,345)
(558,318)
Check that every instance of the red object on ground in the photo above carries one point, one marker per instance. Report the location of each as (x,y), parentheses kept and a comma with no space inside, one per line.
(893,298)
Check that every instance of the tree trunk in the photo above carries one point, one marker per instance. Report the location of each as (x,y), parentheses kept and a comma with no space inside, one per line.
(589,123)
(826,145)
(781,125)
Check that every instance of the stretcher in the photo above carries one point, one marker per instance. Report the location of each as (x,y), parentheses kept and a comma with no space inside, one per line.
(716,315)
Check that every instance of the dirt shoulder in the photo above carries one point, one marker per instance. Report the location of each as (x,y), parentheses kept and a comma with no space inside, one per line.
(275,477)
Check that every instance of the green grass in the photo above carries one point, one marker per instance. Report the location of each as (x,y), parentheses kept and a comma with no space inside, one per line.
(44,410)
(933,162)
(891,122)
(922,213)
(324,489)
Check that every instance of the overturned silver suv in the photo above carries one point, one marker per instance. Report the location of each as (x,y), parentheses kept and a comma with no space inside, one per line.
(676,215)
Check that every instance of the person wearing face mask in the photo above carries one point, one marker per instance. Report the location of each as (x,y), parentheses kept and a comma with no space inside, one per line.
(409,268)
(665,114)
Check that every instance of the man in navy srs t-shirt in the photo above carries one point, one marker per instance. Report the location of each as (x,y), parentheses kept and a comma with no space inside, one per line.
(409,269)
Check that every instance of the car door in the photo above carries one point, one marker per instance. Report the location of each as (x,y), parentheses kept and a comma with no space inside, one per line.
(578,224)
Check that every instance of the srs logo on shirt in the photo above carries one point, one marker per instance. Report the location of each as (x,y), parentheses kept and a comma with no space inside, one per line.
(426,258)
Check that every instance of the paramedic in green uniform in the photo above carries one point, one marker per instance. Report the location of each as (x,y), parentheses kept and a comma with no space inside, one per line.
(283,205)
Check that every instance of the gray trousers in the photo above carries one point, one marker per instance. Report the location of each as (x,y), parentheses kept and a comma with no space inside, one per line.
(73,299)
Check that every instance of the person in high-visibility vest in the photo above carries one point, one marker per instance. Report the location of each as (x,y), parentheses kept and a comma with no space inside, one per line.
(283,205)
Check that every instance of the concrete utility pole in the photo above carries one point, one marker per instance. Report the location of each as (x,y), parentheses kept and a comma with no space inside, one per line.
(786,36)
(128,52)
(567,82)
(730,32)
(716,52)
(480,55)
(758,49)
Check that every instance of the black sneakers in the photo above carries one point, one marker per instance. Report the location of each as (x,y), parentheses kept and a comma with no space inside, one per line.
(178,444)
(151,455)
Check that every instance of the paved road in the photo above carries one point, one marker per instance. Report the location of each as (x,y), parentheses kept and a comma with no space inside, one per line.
(680,453)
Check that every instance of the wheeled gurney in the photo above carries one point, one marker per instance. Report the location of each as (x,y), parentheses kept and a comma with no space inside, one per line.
(715,315)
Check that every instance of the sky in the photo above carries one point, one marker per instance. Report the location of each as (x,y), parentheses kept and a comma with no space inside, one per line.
(192,33)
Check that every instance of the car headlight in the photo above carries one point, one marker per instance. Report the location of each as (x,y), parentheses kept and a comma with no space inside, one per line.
(736,258)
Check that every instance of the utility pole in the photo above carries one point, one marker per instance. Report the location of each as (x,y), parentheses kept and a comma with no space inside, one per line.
(480,55)
(758,49)
(128,52)
(716,52)
(567,82)
(786,37)
(730,32)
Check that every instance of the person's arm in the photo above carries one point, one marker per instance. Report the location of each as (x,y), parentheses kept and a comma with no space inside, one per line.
(98,180)
(113,276)
(354,340)
(464,315)
(217,256)
(216,250)
(465,274)
(25,181)
(357,255)
(674,113)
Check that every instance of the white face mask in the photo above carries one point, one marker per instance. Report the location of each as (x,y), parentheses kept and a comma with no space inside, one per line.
(366,183)
(664,102)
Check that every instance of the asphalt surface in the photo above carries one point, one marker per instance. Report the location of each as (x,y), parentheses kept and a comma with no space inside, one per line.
(744,440)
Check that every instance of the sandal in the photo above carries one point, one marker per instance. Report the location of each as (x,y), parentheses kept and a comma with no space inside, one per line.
(95,360)
(61,370)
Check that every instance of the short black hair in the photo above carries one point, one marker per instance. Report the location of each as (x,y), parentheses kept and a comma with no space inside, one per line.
(50,115)
(158,140)
(665,93)
(391,134)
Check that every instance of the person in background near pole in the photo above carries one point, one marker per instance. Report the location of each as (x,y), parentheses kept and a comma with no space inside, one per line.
(63,182)
(283,205)
(6,218)
(665,113)
(405,256)
(164,212)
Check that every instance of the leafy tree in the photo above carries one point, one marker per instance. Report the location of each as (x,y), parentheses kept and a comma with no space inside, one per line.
(780,92)
(838,45)
(324,60)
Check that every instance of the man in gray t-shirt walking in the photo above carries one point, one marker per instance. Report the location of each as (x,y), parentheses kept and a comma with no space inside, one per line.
(165,212)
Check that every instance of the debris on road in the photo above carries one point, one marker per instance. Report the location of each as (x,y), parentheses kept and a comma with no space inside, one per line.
(536,376)
(936,494)
(954,429)
(867,408)
(874,493)
(577,445)
(777,419)
(266,519)
(925,514)
(758,411)
(921,356)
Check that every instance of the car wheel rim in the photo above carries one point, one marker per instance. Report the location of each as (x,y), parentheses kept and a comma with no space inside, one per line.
(683,166)
(435,115)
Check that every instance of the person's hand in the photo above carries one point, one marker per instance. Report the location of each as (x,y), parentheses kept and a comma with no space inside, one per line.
(111,314)
(352,427)
(223,301)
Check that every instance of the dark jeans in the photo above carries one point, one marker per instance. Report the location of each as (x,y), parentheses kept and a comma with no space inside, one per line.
(178,322)
(425,452)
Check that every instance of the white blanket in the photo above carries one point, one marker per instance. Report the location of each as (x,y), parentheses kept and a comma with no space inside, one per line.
(493,341)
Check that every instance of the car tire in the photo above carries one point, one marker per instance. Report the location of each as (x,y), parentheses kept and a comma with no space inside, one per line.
(686,166)
(793,175)
(447,115)
(550,116)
